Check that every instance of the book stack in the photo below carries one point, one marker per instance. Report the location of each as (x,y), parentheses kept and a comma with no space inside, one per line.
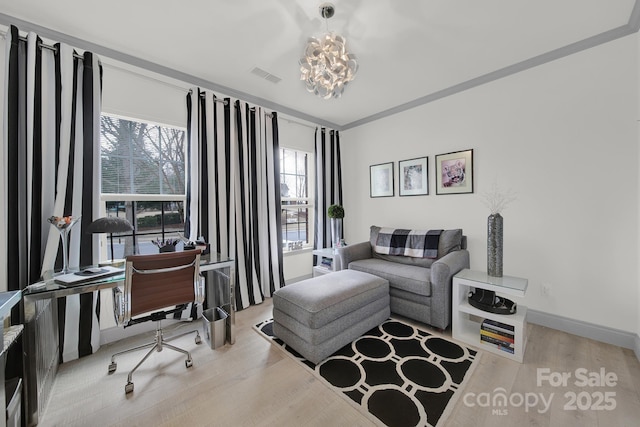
(497,334)
(326,263)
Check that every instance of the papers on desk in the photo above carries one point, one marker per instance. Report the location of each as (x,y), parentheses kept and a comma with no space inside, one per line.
(87,275)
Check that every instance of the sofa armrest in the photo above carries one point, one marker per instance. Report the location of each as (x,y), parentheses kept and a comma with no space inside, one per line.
(350,253)
(442,272)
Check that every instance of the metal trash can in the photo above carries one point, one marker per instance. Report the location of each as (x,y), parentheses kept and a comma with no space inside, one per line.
(215,326)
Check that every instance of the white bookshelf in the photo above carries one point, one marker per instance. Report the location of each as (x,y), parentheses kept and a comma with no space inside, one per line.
(319,269)
(466,319)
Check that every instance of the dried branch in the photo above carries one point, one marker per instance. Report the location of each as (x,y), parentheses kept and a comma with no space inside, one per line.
(497,199)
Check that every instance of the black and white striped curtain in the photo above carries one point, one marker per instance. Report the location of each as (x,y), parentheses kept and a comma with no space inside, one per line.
(51,149)
(328,183)
(233,193)
(210,192)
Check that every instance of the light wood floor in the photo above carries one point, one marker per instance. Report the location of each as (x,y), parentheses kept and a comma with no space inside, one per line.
(252,383)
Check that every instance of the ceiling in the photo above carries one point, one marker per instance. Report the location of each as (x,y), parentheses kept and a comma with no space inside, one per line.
(410,51)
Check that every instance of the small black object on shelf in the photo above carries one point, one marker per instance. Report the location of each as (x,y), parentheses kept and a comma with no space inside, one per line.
(485,300)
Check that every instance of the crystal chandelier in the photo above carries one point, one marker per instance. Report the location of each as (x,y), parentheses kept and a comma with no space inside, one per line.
(326,66)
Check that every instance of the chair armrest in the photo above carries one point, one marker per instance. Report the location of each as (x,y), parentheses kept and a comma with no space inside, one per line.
(442,272)
(119,307)
(350,253)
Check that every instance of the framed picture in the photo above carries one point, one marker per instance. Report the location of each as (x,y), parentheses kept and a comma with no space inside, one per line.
(414,177)
(381,176)
(454,172)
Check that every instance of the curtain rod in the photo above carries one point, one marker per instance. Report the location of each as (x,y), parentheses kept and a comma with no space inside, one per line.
(42,44)
(295,122)
(224,101)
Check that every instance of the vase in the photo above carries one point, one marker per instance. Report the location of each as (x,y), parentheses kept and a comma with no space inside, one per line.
(63,225)
(494,245)
(336,232)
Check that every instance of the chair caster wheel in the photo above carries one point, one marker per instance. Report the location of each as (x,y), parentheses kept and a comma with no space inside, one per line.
(198,339)
(188,363)
(112,367)
(128,388)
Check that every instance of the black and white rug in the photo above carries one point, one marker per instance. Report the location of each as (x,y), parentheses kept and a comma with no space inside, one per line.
(398,374)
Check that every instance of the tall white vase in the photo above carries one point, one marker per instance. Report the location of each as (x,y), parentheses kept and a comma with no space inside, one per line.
(336,232)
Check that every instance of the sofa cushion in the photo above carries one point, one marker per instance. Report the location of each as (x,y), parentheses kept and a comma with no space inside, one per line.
(450,240)
(410,278)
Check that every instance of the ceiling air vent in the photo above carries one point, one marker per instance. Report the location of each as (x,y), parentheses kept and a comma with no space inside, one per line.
(265,75)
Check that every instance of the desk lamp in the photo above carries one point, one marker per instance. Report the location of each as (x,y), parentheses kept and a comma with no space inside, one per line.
(110,224)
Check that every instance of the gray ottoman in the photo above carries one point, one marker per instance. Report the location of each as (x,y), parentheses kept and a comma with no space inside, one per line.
(318,316)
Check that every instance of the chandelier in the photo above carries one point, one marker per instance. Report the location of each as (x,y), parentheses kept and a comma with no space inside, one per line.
(326,66)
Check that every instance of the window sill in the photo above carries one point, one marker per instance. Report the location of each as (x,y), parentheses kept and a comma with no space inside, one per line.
(297,251)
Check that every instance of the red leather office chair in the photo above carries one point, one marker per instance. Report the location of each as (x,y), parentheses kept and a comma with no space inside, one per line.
(152,284)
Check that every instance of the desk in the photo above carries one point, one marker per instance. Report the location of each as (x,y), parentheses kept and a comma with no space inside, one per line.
(41,321)
(7,301)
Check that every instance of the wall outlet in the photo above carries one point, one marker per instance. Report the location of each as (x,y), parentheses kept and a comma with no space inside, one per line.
(545,289)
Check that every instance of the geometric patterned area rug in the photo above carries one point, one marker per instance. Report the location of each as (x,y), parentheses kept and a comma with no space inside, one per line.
(396,374)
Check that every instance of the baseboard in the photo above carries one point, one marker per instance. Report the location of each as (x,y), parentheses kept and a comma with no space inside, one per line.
(587,330)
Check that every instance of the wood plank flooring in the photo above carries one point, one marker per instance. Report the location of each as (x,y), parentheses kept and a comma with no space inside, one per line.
(252,383)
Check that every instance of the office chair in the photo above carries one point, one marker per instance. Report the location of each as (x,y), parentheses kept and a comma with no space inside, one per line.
(156,286)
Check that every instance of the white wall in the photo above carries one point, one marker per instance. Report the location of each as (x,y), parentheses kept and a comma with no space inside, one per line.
(146,97)
(563,136)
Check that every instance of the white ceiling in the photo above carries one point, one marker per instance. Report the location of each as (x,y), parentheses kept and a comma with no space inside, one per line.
(410,51)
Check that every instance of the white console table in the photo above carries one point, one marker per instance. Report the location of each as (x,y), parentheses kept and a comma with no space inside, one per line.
(467,320)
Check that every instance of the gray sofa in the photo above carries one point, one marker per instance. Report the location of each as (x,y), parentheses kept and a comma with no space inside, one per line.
(419,288)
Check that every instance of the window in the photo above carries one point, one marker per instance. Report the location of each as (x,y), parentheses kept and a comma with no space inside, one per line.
(294,192)
(141,158)
(143,180)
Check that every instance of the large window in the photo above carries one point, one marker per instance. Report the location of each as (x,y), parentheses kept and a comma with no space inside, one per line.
(296,199)
(143,180)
